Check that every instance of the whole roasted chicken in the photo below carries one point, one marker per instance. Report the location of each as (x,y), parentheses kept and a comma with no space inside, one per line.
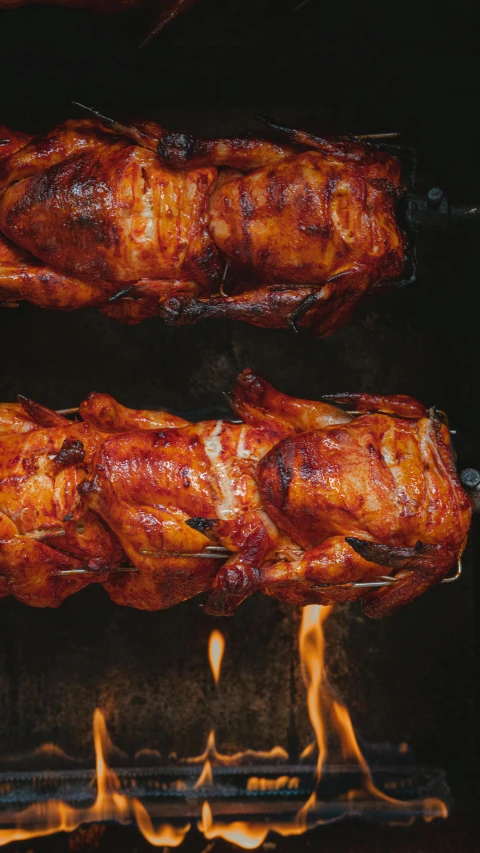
(299,500)
(139,221)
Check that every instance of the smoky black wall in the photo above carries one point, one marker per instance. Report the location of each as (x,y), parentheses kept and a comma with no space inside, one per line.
(408,678)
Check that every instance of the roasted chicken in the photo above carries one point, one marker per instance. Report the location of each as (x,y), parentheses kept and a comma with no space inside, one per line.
(139,221)
(298,500)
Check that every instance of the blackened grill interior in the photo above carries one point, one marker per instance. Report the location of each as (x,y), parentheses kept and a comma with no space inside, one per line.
(409,678)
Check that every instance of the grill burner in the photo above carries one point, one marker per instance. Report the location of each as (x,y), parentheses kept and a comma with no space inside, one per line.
(234,795)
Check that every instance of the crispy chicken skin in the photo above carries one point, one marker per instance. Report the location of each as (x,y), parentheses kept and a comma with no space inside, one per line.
(44,528)
(138,221)
(299,495)
(104,211)
(339,219)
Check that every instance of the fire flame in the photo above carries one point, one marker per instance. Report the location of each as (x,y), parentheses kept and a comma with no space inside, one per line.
(206,776)
(211,753)
(247,835)
(312,657)
(56,816)
(350,749)
(256,783)
(216,648)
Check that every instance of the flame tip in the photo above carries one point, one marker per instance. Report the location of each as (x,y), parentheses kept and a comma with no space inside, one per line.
(216,650)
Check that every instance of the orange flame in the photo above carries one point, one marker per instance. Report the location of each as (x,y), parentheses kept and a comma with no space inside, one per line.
(246,834)
(216,648)
(311,643)
(256,783)
(206,776)
(312,657)
(211,753)
(309,750)
(350,749)
(56,816)
(164,835)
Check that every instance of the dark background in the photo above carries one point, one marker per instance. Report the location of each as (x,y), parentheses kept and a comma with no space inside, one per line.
(360,67)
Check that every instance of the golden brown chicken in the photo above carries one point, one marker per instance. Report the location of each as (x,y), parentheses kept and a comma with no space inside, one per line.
(299,500)
(139,221)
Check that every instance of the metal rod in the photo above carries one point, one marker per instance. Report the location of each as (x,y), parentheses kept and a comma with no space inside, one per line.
(457,574)
(118,570)
(377,135)
(222,289)
(213,555)
(383,580)
(41,534)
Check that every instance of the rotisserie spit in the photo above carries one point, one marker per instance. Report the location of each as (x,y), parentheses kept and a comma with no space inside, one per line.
(299,500)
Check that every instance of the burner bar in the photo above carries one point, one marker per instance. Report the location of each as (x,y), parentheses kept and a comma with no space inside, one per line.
(231,792)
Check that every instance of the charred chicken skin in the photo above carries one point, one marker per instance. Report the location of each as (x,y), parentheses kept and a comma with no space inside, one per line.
(139,221)
(298,500)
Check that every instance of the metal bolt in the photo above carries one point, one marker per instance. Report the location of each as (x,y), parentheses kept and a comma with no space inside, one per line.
(470,478)
(435,195)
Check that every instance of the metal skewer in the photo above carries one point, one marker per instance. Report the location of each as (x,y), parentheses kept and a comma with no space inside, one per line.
(377,135)
(382,580)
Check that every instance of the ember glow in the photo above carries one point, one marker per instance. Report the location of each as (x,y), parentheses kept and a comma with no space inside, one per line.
(56,816)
